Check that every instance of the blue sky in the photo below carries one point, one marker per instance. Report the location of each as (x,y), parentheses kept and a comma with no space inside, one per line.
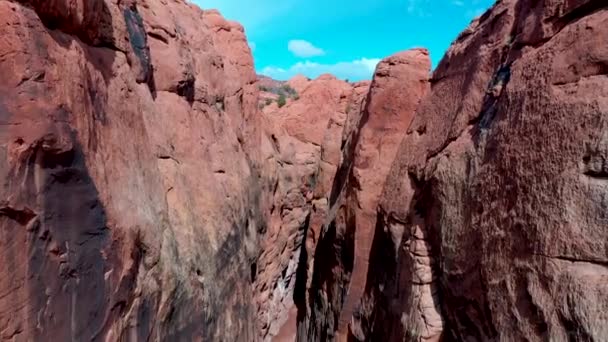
(344,37)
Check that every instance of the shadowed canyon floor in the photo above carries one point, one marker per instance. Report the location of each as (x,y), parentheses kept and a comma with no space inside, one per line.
(156,189)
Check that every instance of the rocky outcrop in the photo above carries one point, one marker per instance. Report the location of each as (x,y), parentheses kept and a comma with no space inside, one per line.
(343,223)
(492,222)
(128,151)
(387,118)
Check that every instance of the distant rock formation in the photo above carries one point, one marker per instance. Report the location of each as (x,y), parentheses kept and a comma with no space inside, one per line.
(302,141)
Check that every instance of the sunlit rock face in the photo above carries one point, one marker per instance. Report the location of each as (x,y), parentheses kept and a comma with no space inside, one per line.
(492,222)
(332,143)
(343,222)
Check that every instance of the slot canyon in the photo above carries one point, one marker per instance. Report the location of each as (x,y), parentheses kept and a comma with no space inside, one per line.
(157,189)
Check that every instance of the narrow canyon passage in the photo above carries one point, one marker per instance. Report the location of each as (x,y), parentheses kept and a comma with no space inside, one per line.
(156,188)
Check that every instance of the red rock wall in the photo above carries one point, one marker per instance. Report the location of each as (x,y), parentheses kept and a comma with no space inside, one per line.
(491,224)
(128,207)
(387,118)
(493,218)
(146,197)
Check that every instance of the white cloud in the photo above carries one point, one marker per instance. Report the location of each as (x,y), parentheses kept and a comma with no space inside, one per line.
(252,46)
(457,3)
(360,69)
(304,49)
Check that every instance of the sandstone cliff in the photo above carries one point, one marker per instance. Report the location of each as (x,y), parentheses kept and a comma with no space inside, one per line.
(492,223)
(151,193)
(128,138)
(505,194)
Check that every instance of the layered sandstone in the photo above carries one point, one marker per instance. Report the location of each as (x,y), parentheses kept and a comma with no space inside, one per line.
(128,139)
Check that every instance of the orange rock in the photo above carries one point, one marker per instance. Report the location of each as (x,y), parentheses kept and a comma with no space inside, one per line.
(146,196)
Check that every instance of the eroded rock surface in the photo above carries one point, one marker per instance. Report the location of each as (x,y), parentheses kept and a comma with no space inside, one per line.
(128,207)
(491,224)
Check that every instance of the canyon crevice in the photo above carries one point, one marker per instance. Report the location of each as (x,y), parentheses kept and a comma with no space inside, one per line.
(156,189)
